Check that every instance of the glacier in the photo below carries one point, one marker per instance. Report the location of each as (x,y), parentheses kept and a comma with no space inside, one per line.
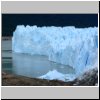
(76,47)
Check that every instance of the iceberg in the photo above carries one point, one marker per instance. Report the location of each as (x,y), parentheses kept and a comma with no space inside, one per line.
(55,75)
(76,47)
(51,75)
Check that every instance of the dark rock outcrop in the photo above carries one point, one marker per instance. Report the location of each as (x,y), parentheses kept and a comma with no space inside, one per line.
(89,78)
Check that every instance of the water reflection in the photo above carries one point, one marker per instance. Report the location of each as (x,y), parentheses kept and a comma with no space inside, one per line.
(36,66)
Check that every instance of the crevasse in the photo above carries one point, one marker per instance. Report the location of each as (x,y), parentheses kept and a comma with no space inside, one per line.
(76,47)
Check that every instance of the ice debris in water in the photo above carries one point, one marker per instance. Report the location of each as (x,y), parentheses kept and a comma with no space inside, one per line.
(55,75)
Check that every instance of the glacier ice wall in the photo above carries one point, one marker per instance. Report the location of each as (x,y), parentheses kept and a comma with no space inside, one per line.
(76,47)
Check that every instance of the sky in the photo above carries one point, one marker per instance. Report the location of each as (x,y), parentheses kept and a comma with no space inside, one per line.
(10,21)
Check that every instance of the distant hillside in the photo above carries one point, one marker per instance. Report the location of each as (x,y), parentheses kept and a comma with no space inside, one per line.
(6,38)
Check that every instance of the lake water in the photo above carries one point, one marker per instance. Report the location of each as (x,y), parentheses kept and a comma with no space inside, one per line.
(35,66)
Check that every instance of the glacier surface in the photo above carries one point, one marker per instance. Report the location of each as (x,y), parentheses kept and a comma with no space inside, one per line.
(76,47)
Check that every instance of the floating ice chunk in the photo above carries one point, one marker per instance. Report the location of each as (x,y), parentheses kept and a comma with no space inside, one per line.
(51,75)
(55,75)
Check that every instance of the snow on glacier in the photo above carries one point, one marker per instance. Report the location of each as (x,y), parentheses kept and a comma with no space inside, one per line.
(76,47)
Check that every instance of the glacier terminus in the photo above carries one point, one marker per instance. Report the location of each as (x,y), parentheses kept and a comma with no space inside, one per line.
(76,47)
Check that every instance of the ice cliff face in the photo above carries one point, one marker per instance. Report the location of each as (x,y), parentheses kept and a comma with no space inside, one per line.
(76,47)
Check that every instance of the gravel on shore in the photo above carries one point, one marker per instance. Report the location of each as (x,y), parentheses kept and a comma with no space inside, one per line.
(16,80)
(89,78)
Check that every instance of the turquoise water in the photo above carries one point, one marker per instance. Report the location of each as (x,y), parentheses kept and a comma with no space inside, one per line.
(29,65)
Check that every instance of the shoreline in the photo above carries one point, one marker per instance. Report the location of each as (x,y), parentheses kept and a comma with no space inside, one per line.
(18,80)
(89,78)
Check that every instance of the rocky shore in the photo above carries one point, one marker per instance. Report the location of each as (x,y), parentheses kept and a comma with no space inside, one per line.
(89,78)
